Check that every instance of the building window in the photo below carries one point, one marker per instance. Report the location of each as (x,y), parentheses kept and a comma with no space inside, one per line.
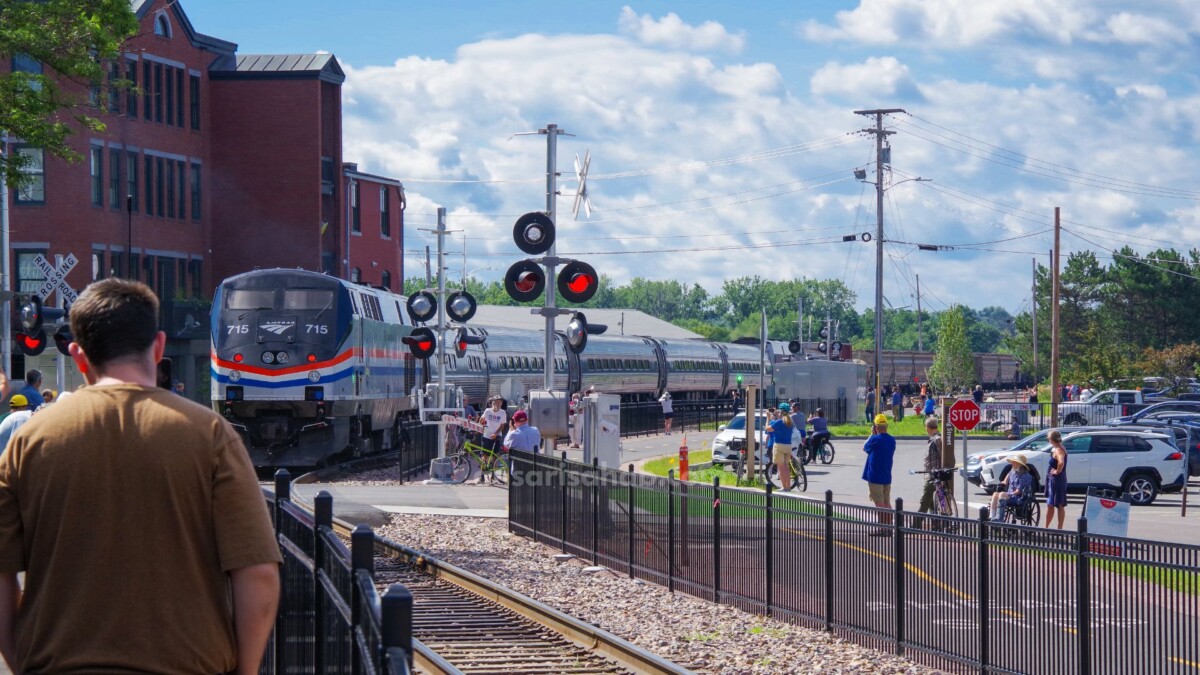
(149,176)
(180,194)
(29,275)
(355,221)
(164,281)
(385,214)
(170,95)
(356,275)
(98,269)
(159,191)
(22,63)
(194,84)
(114,177)
(131,181)
(33,191)
(386,280)
(147,90)
(326,175)
(170,188)
(181,285)
(131,100)
(162,27)
(114,74)
(195,191)
(148,269)
(134,266)
(194,272)
(116,262)
(97,166)
(158,88)
(179,97)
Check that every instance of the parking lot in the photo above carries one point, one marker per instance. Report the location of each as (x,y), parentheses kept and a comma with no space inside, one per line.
(1160,521)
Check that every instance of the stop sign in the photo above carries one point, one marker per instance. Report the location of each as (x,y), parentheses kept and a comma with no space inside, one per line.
(964,414)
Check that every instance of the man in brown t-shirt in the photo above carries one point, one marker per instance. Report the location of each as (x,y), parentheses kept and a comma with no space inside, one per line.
(135,515)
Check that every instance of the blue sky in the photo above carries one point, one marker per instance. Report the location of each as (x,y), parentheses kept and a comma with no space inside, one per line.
(723,138)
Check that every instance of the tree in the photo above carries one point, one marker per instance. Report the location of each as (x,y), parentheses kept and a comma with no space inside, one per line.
(71,38)
(954,365)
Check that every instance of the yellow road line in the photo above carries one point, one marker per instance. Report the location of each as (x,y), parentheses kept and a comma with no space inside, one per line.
(1011,613)
(1176,659)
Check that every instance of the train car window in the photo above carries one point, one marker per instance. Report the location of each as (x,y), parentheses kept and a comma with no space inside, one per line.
(250,300)
(307,298)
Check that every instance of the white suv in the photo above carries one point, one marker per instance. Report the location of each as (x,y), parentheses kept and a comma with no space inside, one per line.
(722,454)
(1140,463)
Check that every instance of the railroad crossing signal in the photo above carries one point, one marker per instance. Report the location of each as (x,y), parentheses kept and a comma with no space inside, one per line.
(421,306)
(525,281)
(577,282)
(56,278)
(421,342)
(463,339)
(964,415)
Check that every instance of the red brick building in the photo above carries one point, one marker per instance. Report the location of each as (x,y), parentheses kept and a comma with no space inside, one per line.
(218,164)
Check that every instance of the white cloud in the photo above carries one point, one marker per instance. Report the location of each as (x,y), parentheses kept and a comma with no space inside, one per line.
(671,31)
(1146,91)
(879,78)
(1137,29)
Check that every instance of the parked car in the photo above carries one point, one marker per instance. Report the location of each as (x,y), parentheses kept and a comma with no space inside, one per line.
(1186,429)
(1141,463)
(1160,408)
(1033,442)
(1101,407)
(736,428)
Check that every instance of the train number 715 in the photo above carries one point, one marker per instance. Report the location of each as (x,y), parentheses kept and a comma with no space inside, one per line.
(319,329)
(237,328)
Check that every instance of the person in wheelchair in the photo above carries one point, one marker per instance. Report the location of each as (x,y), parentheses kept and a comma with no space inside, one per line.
(1018,489)
(820,432)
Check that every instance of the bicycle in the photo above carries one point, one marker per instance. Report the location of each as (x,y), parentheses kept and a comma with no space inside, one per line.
(943,500)
(490,462)
(796,468)
(824,452)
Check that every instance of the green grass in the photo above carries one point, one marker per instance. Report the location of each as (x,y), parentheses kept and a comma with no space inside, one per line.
(1179,581)
(911,425)
(660,466)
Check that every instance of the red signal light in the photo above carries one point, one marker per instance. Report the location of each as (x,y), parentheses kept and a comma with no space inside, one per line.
(312,358)
(578,282)
(524,281)
(32,345)
(237,358)
(527,281)
(421,342)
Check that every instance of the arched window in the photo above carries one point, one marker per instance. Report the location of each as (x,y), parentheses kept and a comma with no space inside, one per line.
(162,26)
(386,280)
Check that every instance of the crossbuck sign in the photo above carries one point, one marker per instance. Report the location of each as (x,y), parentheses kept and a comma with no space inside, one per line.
(56,278)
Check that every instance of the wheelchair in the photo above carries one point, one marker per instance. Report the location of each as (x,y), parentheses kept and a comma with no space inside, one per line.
(1023,511)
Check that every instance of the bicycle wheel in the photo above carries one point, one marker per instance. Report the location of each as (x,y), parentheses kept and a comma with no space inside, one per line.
(946,504)
(773,476)
(800,476)
(500,470)
(826,452)
(460,468)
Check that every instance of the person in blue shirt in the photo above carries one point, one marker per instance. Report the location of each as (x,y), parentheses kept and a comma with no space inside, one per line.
(929,405)
(897,405)
(32,391)
(522,437)
(819,433)
(780,429)
(880,449)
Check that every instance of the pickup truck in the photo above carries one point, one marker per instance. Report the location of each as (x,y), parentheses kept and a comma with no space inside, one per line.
(1101,407)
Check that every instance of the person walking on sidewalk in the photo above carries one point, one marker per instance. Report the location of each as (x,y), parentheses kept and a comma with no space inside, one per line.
(880,449)
(668,410)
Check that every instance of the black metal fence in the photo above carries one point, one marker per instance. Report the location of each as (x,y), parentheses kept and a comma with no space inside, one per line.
(418,444)
(960,595)
(331,618)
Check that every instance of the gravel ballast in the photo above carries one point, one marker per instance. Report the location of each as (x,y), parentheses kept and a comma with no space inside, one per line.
(698,634)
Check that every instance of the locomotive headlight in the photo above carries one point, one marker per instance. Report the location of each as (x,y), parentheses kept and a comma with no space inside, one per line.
(314,375)
(235,375)
(281,357)
(268,357)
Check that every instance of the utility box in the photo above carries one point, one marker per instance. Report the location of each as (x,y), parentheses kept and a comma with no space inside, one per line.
(548,412)
(602,429)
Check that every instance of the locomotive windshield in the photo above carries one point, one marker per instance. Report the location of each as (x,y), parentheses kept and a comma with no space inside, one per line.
(236,299)
(293,299)
(307,298)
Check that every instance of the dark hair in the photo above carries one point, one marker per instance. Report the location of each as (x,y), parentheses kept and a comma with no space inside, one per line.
(33,376)
(1055,436)
(114,318)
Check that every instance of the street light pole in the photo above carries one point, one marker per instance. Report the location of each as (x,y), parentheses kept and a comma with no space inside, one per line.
(5,283)
(880,134)
(129,237)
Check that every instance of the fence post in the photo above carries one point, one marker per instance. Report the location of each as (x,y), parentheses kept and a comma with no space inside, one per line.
(283,493)
(770,562)
(716,534)
(362,557)
(671,530)
(323,512)
(596,510)
(537,523)
(562,477)
(983,594)
(631,526)
(1083,599)
(396,631)
(898,532)
(829,560)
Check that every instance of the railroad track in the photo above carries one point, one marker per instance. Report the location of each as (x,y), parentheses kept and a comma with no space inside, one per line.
(463,623)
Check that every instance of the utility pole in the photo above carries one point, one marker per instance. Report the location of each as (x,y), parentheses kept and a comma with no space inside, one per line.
(552,131)
(1033,296)
(800,322)
(5,276)
(441,324)
(1054,325)
(920,336)
(880,134)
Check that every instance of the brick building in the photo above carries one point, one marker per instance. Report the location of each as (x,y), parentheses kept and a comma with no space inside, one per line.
(217,164)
